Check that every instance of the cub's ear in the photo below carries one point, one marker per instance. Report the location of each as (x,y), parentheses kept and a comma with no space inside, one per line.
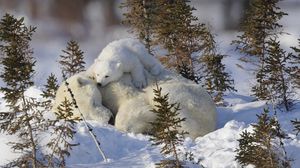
(92,78)
(90,74)
(82,82)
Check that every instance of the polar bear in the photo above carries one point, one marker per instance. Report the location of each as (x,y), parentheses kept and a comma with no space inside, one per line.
(125,55)
(121,70)
(132,107)
(196,105)
(87,96)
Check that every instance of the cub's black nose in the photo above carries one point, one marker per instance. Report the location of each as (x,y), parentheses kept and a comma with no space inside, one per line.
(99,84)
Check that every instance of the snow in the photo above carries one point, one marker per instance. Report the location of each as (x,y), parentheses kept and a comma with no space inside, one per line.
(7,153)
(121,149)
(215,150)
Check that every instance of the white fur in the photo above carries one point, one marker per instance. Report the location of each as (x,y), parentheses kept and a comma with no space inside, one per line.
(87,96)
(132,107)
(124,56)
(196,106)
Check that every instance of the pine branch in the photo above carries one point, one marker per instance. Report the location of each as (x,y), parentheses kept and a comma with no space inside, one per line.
(296,124)
(295,61)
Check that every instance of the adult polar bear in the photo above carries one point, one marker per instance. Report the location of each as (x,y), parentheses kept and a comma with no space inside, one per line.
(132,107)
(125,55)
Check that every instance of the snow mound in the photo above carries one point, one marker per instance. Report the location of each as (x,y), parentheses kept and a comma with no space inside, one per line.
(214,150)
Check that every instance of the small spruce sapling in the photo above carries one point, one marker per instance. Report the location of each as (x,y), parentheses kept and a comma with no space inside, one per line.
(61,128)
(50,91)
(261,24)
(178,32)
(51,87)
(263,147)
(73,60)
(63,131)
(277,75)
(215,79)
(166,128)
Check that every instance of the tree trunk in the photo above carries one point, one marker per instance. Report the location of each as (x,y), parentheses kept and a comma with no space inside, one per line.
(31,137)
(284,86)
(110,16)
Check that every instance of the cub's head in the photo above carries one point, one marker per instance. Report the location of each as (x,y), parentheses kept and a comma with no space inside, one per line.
(105,72)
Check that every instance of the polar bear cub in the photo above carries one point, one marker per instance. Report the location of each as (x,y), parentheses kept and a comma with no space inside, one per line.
(87,96)
(124,56)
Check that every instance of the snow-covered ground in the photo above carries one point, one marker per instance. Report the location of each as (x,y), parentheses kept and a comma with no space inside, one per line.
(215,150)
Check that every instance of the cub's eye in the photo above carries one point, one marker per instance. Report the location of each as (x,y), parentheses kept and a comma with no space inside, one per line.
(106,76)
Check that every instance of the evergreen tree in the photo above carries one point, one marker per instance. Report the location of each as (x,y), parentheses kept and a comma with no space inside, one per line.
(260,25)
(166,128)
(64,130)
(177,31)
(73,60)
(172,25)
(277,72)
(263,147)
(51,87)
(216,79)
(140,17)
(295,73)
(16,59)
(25,119)
(50,91)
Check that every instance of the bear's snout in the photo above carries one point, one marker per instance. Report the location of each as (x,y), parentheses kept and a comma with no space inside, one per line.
(99,84)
